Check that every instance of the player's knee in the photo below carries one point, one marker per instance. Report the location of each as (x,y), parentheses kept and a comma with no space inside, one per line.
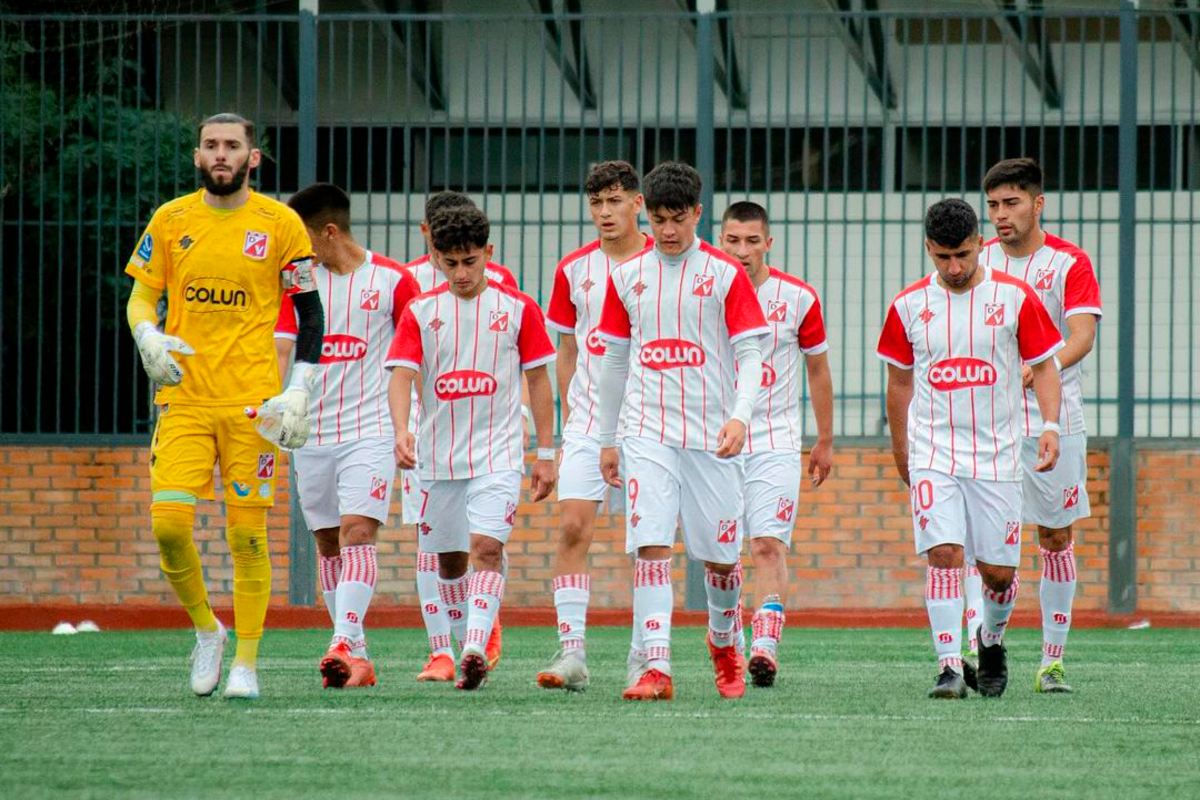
(946,556)
(452,565)
(576,534)
(1054,539)
(357,531)
(720,569)
(246,532)
(997,578)
(487,553)
(328,542)
(172,523)
(766,550)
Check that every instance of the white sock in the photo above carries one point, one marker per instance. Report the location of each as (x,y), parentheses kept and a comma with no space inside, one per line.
(997,608)
(944,603)
(354,590)
(484,592)
(973,589)
(433,611)
(724,594)
(328,572)
(571,594)
(653,602)
(453,592)
(1057,595)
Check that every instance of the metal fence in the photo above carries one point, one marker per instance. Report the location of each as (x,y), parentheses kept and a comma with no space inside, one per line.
(845,124)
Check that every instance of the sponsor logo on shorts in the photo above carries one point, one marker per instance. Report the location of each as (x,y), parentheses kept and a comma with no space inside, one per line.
(1012,533)
(923,522)
(378,488)
(498,321)
(961,373)
(1060,618)
(241,489)
(702,285)
(663,354)
(368,300)
(993,314)
(595,343)
(727,531)
(463,383)
(425,529)
(1071,496)
(945,637)
(338,347)
(777,311)
(634,519)
(1044,281)
(264,490)
(510,513)
(145,248)
(255,245)
(925,316)
(211,295)
(785,509)
(266,465)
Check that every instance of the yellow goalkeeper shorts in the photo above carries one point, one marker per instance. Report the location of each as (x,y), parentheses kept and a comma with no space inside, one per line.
(190,440)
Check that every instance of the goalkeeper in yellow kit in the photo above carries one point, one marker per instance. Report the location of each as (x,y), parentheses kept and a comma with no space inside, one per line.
(224,255)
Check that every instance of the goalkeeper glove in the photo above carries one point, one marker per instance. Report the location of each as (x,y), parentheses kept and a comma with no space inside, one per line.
(156,348)
(283,419)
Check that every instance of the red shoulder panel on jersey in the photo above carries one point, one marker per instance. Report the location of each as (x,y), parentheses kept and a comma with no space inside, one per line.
(649,246)
(578,253)
(991,241)
(720,255)
(1063,246)
(914,287)
(792,279)
(416,262)
(379,259)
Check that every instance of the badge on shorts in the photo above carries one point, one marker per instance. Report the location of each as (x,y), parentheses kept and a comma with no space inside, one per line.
(1071,496)
(255,245)
(510,513)
(266,465)
(378,488)
(727,531)
(1014,533)
(785,510)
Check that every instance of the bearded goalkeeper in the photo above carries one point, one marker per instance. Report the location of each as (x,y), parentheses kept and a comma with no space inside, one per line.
(224,255)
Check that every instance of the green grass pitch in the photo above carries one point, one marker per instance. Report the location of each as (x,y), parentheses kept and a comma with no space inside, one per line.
(109,715)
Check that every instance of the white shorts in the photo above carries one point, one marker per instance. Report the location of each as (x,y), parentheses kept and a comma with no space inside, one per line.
(982,517)
(772,491)
(579,475)
(411,496)
(665,486)
(456,509)
(353,477)
(1057,498)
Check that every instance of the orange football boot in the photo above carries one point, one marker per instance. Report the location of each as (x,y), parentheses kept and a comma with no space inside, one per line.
(439,667)
(653,685)
(729,670)
(362,673)
(495,644)
(335,665)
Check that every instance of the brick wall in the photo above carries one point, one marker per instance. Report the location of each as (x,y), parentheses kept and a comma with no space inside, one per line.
(74,528)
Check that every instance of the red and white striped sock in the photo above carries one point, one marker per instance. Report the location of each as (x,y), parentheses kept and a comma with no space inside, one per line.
(485,589)
(453,593)
(653,600)
(433,611)
(944,604)
(724,594)
(355,587)
(1057,596)
(997,608)
(328,572)
(571,593)
(973,595)
(739,629)
(766,629)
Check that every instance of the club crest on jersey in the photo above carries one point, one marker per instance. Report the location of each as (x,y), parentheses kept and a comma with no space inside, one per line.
(368,300)
(338,347)
(1071,496)
(702,285)
(663,354)
(266,465)
(1012,533)
(727,531)
(379,488)
(498,321)
(925,316)
(595,342)
(1044,280)
(463,383)
(993,313)
(777,311)
(785,509)
(255,245)
(961,373)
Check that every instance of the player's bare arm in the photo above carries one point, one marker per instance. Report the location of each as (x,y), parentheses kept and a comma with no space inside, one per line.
(1081,337)
(899,395)
(399,399)
(564,370)
(544,474)
(1047,386)
(820,389)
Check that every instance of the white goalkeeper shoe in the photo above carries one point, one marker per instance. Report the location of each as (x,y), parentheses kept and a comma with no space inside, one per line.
(242,683)
(207,656)
(567,671)
(155,348)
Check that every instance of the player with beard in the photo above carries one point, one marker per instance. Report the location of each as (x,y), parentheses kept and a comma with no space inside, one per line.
(225,256)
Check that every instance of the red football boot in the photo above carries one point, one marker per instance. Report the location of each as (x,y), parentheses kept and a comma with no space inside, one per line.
(729,669)
(653,685)
(336,665)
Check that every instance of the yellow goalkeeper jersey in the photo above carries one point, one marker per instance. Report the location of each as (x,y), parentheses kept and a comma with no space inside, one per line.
(223,272)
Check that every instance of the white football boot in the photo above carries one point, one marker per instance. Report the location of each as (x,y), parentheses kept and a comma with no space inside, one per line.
(242,683)
(207,656)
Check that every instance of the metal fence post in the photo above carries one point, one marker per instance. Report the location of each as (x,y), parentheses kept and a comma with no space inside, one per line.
(1122,494)
(302,556)
(695,597)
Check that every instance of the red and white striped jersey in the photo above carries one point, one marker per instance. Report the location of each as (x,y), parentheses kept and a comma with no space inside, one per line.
(361,311)
(793,313)
(470,355)
(430,277)
(681,316)
(575,305)
(1062,276)
(967,349)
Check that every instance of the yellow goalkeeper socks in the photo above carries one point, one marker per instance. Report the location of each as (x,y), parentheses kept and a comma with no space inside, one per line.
(180,562)
(247,534)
